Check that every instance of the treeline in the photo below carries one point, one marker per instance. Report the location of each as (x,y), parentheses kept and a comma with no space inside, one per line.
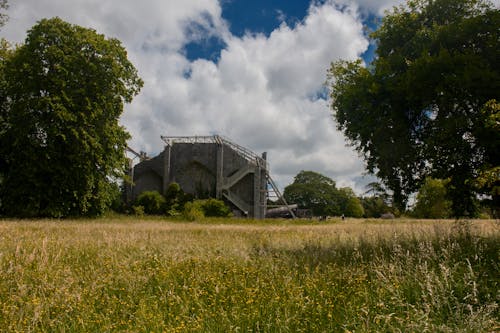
(319,194)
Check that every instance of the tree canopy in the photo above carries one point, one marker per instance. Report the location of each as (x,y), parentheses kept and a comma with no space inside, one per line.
(420,109)
(312,190)
(61,144)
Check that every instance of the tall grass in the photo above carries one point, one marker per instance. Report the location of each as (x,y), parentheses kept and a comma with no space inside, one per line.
(153,276)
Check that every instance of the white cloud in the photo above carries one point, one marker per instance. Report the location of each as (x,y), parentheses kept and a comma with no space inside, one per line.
(260,93)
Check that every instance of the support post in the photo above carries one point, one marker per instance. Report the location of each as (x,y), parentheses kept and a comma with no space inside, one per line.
(166,168)
(219,177)
(256,193)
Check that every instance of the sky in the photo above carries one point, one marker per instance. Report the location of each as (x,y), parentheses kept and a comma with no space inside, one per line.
(250,70)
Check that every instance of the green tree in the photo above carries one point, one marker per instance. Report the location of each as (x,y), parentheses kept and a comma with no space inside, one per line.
(60,142)
(311,190)
(432,201)
(416,110)
(349,204)
(374,206)
(354,208)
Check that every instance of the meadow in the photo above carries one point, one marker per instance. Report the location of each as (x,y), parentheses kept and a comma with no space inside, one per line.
(154,275)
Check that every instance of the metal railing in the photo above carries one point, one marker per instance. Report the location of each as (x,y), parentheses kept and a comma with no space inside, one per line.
(246,153)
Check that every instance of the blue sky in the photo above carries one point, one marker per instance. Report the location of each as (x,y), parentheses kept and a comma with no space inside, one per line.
(244,17)
(263,17)
(253,71)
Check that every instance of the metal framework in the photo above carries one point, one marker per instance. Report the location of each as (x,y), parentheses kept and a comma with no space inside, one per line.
(220,140)
(141,155)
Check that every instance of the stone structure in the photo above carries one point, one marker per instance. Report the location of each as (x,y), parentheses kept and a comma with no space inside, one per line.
(208,166)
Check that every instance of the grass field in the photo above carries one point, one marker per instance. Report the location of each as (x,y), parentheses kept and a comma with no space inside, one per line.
(152,275)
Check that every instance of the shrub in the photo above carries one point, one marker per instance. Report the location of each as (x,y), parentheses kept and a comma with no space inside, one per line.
(193,211)
(138,210)
(215,208)
(152,201)
(176,199)
(198,209)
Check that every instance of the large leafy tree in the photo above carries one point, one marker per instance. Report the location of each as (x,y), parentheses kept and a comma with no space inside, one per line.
(61,144)
(416,111)
(312,190)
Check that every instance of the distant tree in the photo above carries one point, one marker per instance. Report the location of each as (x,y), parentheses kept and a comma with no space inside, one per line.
(354,208)
(432,201)
(312,190)
(416,111)
(349,203)
(374,206)
(311,177)
(60,140)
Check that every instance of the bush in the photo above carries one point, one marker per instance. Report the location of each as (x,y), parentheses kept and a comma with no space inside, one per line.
(215,208)
(138,210)
(152,201)
(176,199)
(193,211)
(199,209)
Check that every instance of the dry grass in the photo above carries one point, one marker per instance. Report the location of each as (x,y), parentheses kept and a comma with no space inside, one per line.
(125,274)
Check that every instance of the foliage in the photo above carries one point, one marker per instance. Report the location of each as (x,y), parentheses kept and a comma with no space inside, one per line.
(311,190)
(157,276)
(432,201)
(354,208)
(488,180)
(193,211)
(118,204)
(211,207)
(152,201)
(176,198)
(61,144)
(215,208)
(138,210)
(349,203)
(416,110)
(374,206)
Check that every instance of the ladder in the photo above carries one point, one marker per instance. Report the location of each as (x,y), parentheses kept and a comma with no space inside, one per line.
(277,194)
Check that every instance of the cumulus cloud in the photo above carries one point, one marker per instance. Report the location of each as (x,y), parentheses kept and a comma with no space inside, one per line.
(264,92)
